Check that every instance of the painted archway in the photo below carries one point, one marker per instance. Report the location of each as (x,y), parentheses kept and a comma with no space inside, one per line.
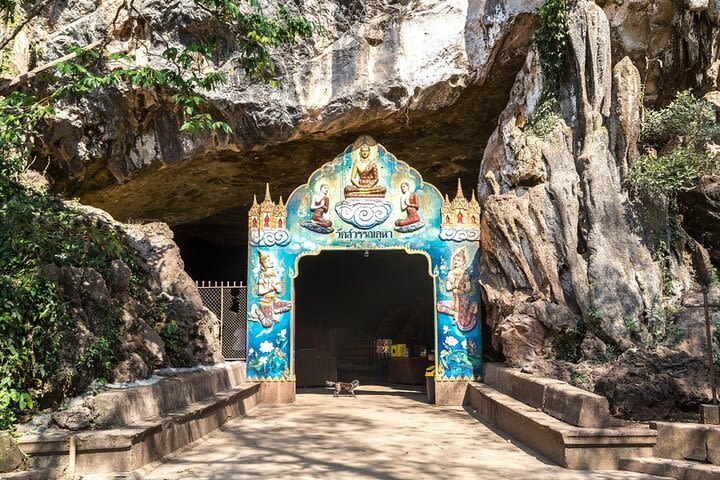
(365,199)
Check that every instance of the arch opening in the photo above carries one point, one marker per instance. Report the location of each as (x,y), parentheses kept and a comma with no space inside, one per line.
(346,301)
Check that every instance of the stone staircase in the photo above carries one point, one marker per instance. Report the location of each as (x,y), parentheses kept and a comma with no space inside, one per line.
(141,425)
(568,425)
(574,428)
(686,451)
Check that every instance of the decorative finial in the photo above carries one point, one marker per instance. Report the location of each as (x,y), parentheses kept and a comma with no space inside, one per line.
(281,203)
(459,193)
(255,204)
(473,196)
(267,193)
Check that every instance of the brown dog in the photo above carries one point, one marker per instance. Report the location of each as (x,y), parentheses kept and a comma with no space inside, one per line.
(344,387)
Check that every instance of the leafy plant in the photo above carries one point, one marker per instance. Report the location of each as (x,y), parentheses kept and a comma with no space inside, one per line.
(550,40)
(578,379)
(684,133)
(631,324)
(544,119)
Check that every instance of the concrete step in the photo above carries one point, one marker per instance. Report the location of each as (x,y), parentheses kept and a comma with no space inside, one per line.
(665,467)
(688,441)
(567,445)
(559,399)
(154,433)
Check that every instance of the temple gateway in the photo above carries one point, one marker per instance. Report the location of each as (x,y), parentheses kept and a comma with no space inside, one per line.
(365,200)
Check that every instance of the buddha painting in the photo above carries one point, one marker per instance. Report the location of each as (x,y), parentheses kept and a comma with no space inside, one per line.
(268,288)
(364,205)
(364,174)
(462,307)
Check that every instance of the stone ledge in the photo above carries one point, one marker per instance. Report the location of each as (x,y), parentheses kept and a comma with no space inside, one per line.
(117,408)
(557,398)
(665,467)
(688,441)
(126,449)
(569,446)
(121,450)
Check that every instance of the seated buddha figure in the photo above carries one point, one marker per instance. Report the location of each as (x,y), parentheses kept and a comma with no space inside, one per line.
(364,176)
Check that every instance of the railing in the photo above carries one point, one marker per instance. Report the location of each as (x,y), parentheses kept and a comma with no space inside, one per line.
(228,301)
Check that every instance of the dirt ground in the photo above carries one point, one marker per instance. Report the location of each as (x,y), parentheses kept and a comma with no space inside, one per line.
(383,433)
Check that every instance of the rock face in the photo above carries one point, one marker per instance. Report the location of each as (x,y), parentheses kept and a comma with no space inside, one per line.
(425,77)
(168,285)
(111,309)
(564,238)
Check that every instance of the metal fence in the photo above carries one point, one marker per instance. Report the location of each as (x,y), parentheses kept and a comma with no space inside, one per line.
(228,301)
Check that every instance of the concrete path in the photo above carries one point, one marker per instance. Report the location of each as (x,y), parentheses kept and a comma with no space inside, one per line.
(383,433)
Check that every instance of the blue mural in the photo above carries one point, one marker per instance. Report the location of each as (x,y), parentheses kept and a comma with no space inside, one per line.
(364,199)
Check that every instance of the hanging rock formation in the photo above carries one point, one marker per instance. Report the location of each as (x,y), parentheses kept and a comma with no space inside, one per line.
(563,241)
(425,77)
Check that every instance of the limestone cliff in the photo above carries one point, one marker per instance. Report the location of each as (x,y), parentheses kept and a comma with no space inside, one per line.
(573,265)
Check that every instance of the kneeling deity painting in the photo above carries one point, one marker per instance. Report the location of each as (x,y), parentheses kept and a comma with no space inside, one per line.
(268,287)
(319,206)
(410,205)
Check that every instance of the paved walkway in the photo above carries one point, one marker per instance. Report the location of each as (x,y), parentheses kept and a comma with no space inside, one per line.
(383,433)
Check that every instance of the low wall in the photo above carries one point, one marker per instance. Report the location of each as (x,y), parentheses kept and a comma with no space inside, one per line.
(688,441)
(148,423)
(569,446)
(556,398)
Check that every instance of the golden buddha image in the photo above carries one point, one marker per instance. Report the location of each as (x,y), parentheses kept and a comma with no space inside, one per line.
(364,174)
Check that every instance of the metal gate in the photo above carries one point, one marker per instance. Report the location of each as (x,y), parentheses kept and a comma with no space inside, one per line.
(228,301)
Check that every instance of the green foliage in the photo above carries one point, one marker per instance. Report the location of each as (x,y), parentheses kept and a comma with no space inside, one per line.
(684,133)
(673,172)
(662,256)
(260,33)
(674,334)
(11,402)
(631,325)
(544,118)
(578,379)
(172,336)
(99,356)
(20,114)
(169,331)
(687,119)
(550,40)
(36,231)
(566,345)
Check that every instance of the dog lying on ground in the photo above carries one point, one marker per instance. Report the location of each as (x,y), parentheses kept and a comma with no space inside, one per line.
(344,387)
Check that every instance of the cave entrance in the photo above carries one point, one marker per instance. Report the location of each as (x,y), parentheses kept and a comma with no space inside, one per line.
(345,316)
(363,201)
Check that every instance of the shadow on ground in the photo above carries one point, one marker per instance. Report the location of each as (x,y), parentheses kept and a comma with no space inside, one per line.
(382,433)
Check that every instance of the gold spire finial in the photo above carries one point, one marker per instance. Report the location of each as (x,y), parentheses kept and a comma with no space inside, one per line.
(267,193)
(473,196)
(255,204)
(281,203)
(459,193)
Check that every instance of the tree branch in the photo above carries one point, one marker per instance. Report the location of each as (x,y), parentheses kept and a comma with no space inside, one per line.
(29,15)
(25,77)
